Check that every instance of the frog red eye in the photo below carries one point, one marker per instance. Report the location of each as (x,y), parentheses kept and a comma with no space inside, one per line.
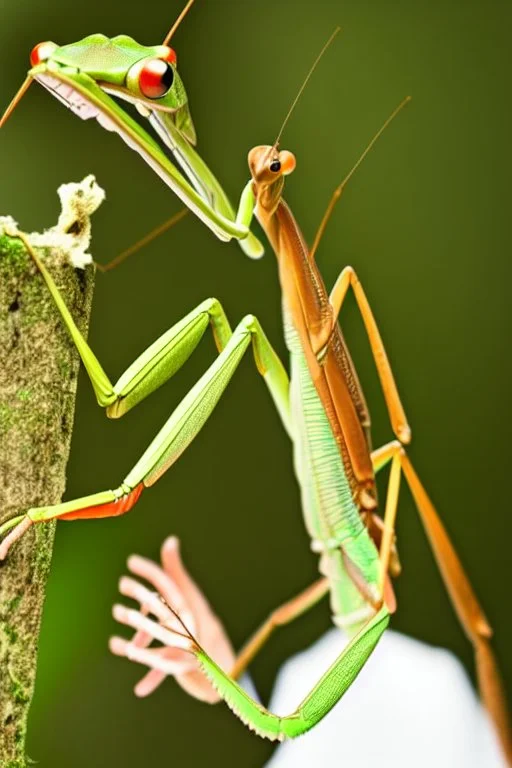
(170,56)
(155,78)
(42,52)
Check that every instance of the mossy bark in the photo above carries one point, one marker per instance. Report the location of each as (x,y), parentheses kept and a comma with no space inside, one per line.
(38,377)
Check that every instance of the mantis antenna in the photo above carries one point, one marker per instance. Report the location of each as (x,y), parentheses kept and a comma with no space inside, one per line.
(339,190)
(303,86)
(178,22)
(188,634)
(14,103)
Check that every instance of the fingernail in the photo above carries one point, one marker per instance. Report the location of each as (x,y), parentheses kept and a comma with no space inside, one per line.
(172,543)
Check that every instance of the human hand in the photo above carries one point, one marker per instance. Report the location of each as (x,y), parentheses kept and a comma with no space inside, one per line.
(174,586)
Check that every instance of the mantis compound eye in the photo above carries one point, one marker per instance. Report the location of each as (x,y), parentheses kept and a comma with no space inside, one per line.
(288,162)
(42,52)
(275,166)
(156,78)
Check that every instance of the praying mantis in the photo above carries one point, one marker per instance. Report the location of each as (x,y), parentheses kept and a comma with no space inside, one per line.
(359,598)
(329,427)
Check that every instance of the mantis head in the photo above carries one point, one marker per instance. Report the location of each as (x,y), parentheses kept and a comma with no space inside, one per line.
(268,167)
(267,164)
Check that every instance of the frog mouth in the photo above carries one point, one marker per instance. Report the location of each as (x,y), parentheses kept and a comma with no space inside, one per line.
(74,100)
(85,109)
(194,185)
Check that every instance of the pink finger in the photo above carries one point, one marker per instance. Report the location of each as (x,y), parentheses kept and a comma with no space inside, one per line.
(174,568)
(150,601)
(149,683)
(136,620)
(150,658)
(152,572)
(142,639)
(119,646)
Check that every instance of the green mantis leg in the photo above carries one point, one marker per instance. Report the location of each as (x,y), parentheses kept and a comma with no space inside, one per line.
(186,420)
(209,188)
(326,693)
(156,365)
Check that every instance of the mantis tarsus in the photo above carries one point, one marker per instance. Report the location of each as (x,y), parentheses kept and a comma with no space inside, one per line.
(323,410)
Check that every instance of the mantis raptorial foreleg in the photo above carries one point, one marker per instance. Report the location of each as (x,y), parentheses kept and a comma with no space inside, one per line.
(153,367)
(321,699)
(457,584)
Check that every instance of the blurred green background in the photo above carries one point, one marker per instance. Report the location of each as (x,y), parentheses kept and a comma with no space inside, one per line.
(426,222)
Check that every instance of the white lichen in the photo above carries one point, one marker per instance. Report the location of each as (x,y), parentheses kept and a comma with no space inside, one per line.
(72,233)
(7,225)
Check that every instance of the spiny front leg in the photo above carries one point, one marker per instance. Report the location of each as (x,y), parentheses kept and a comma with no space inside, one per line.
(323,697)
(175,436)
(175,586)
(326,693)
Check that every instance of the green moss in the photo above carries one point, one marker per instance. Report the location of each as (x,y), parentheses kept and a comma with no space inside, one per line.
(34,310)
(13,604)
(6,418)
(13,254)
(43,551)
(64,367)
(11,633)
(36,399)
(25,452)
(18,693)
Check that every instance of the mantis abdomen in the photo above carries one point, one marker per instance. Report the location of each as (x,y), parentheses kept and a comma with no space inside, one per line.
(331,516)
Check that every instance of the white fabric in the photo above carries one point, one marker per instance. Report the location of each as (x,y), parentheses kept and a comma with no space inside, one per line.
(412,706)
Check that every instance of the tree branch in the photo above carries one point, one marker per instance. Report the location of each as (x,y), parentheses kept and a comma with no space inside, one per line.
(38,376)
